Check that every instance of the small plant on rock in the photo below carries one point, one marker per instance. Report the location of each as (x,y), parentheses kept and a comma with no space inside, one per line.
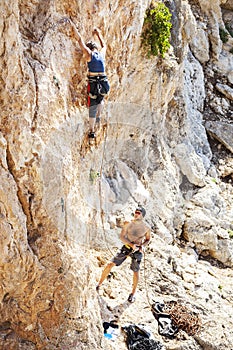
(94,175)
(156,29)
(230,233)
(223,35)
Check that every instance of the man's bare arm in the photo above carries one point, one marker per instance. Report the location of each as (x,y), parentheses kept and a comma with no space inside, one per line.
(147,238)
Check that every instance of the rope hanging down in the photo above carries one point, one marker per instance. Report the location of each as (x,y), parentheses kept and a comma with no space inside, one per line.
(100,186)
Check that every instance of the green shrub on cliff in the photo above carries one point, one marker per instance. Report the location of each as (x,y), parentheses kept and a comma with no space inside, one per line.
(223,35)
(230,232)
(156,29)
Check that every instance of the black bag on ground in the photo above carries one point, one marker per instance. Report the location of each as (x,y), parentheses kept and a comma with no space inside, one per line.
(139,339)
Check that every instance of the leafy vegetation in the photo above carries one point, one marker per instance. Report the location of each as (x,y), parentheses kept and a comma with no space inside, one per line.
(230,232)
(223,35)
(94,175)
(156,29)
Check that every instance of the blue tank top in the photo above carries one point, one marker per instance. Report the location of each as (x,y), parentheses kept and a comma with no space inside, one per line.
(97,62)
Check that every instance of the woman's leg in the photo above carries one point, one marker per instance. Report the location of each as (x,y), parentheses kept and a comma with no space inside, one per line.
(92,116)
(99,110)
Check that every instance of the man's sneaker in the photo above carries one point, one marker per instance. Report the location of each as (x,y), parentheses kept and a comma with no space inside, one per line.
(91,135)
(131,298)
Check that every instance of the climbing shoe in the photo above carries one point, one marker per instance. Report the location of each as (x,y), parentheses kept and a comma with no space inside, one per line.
(91,135)
(131,298)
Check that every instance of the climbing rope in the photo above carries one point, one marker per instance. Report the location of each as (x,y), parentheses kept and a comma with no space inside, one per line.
(183,318)
(100,185)
(145,282)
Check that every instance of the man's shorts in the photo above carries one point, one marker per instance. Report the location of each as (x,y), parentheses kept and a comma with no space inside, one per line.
(136,258)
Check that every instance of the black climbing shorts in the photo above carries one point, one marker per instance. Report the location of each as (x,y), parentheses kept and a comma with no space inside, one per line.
(136,258)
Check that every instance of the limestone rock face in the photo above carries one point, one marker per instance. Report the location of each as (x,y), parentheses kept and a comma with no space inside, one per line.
(221,131)
(61,200)
(208,208)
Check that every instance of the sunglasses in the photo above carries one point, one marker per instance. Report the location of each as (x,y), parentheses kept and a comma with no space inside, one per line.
(137,212)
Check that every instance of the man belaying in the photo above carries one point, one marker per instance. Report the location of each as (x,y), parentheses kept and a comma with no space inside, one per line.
(135,235)
(98,85)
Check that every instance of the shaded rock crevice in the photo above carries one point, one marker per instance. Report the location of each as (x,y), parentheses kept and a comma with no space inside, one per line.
(24,200)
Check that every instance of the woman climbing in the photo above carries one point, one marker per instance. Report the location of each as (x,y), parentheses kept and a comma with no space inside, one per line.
(98,85)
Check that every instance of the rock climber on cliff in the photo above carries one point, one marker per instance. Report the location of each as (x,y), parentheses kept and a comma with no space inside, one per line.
(98,85)
(135,235)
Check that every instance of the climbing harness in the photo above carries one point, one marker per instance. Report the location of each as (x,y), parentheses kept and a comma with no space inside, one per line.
(128,246)
(99,86)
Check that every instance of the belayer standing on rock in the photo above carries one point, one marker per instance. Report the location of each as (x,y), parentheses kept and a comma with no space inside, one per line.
(98,85)
(135,236)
